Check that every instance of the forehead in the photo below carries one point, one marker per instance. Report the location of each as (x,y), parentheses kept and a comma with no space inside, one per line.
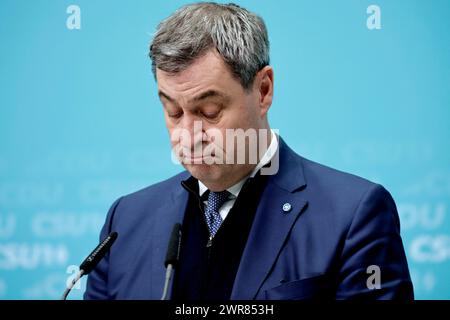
(206,72)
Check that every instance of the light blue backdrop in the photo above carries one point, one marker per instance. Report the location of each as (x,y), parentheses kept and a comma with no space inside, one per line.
(80,122)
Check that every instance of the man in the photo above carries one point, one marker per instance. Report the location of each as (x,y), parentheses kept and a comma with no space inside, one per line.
(277,227)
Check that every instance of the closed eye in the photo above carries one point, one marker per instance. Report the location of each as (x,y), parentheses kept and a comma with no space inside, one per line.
(210,115)
(175,115)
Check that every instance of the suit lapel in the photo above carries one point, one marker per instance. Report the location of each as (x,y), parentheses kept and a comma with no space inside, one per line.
(273,222)
(269,231)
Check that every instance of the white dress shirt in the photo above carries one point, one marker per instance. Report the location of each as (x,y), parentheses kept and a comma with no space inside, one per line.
(235,189)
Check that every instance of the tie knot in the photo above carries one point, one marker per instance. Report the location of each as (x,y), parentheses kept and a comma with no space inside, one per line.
(217,199)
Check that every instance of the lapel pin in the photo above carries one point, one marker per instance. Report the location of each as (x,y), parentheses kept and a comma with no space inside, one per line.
(287,207)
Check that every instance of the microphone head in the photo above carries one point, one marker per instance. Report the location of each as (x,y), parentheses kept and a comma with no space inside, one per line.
(173,250)
(98,253)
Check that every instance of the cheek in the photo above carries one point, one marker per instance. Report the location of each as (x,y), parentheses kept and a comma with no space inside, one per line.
(244,116)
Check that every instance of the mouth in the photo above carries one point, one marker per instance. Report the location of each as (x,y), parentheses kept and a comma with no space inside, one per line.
(202,159)
(192,159)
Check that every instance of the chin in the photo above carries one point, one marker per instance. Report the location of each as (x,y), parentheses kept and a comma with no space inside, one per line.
(204,172)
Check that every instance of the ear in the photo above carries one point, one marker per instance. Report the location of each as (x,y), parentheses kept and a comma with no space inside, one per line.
(265,89)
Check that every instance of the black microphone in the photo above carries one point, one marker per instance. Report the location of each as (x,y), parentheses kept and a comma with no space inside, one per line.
(92,260)
(172,256)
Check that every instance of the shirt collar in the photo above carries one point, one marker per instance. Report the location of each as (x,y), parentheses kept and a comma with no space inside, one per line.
(265,159)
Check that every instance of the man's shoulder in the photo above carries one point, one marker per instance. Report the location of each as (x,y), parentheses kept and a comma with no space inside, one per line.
(131,210)
(339,196)
(320,173)
(337,187)
(322,179)
(158,190)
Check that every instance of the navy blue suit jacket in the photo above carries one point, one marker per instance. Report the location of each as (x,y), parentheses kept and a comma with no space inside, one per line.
(338,226)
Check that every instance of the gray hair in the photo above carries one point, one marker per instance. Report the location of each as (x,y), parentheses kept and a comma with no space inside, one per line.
(238,35)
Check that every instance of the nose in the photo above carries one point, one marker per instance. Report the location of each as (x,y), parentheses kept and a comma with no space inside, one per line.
(193,134)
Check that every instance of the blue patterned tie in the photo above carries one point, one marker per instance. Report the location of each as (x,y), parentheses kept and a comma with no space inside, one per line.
(213,218)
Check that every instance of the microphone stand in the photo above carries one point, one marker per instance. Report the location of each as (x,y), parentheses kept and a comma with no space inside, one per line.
(72,284)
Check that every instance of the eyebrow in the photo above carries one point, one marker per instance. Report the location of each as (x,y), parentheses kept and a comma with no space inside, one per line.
(202,96)
(162,94)
(209,94)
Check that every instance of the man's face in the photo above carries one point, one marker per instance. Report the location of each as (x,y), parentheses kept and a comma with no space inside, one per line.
(207,94)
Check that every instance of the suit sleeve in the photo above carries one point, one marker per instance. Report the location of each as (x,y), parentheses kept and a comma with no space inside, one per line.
(97,283)
(373,250)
